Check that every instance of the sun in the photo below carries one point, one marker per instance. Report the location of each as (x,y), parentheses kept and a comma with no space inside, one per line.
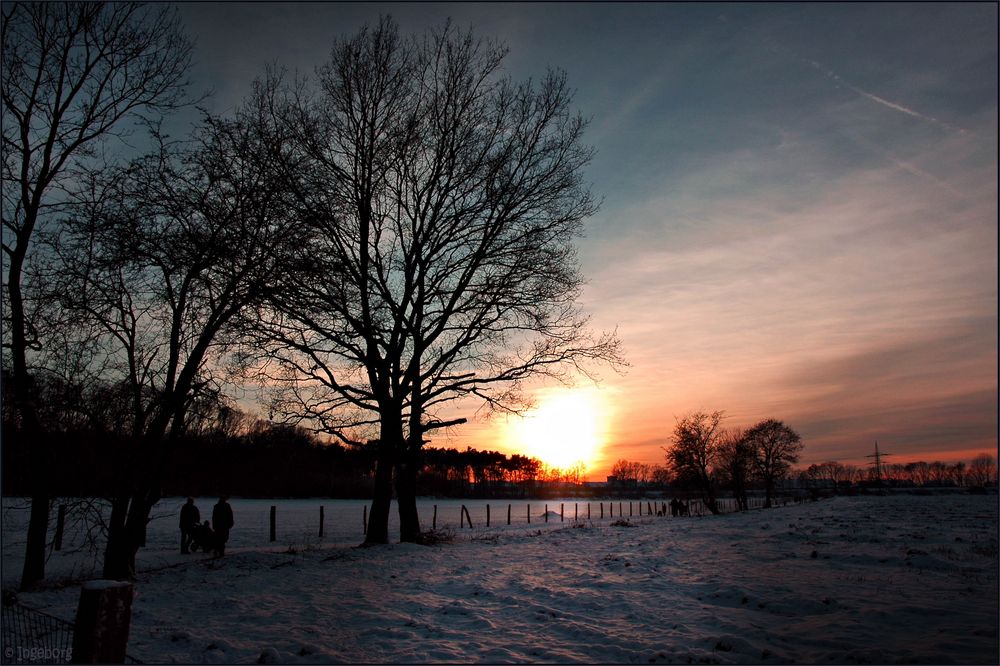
(565,429)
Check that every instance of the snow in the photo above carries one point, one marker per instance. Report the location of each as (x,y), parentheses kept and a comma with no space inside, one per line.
(846,580)
(104,584)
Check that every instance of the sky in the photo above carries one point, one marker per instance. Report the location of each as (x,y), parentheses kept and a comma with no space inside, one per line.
(799,215)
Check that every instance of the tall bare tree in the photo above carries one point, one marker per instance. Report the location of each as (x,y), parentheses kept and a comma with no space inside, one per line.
(74,74)
(736,464)
(693,457)
(178,249)
(445,200)
(776,448)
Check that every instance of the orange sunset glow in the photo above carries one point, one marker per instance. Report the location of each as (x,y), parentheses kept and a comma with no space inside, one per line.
(566,428)
(794,227)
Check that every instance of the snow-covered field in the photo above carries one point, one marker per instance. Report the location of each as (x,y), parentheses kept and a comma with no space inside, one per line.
(847,580)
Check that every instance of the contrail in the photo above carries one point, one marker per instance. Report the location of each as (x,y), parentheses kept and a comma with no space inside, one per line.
(916,171)
(884,102)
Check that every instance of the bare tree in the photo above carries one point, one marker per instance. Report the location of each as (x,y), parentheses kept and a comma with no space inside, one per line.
(169,256)
(444,202)
(938,472)
(982,470)
(694,454)
(628,472)
(73,74)
(776,448)
(956,472)
(736,464)
(918,472)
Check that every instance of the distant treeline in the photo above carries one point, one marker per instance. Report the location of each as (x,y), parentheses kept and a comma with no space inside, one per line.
(266,459)
(980,472)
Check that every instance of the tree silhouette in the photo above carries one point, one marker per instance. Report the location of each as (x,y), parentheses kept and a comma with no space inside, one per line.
(736,464)
(73,75)
(776,447)
(169,255)
(444,201)
(694,453)
(982,470)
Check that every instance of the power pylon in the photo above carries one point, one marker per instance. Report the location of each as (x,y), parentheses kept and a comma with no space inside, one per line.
(877,462)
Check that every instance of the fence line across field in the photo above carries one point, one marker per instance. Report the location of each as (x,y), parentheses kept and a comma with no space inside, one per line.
(305,522)
(482,515)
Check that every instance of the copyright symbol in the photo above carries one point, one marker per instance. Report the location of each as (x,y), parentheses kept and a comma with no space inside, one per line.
(8,652)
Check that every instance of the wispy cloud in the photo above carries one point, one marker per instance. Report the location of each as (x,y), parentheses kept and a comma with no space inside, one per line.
(881,100)
(855,306)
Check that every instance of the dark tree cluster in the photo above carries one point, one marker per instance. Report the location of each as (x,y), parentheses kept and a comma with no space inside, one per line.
(449,472)
(705,457)
(223,451)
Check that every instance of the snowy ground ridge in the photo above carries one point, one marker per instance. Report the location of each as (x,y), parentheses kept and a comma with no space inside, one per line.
(850,580)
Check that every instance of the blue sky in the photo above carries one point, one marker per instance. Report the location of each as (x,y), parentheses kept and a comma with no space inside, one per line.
(800,203)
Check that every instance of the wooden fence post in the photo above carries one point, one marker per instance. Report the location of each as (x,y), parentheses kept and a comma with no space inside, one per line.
(467,516)
(576,511)
(588,510)
(60,525)
(546,514)
(434,520)
(529,514)
(487,515)
(320,521)
(561,512)
(364,520)
(620,510)
(508,514)
(274,512)
(103,618)
(602,510)
(630,509)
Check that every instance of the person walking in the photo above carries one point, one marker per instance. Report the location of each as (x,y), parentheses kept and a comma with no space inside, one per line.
(190,517)
(222,522)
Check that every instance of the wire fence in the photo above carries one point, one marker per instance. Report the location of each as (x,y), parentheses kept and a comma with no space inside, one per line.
(34,637)
(539,513)
(31,636)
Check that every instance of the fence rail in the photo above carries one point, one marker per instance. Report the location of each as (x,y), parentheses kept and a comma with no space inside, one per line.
(602,510)
(539,513)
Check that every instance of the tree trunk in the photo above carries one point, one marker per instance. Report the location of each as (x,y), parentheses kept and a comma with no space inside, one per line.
(406,495)
(24,406)
(708,494)
(390,441)
(117,561)
(34,551)
(130,512)
(378,517)
(38,523)
(406,473)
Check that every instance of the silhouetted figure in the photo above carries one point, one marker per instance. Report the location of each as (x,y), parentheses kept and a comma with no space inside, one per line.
(222,522)
(673,507)
(190,517)
(203,537)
